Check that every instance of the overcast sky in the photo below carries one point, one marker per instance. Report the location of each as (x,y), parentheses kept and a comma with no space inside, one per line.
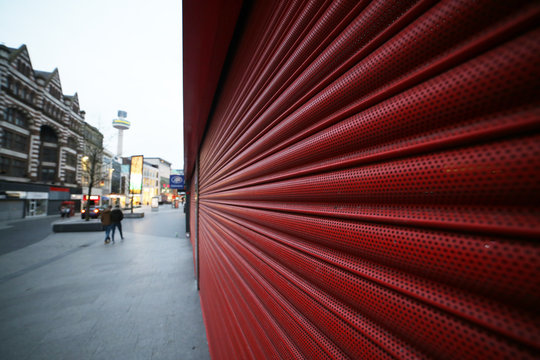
(117,55)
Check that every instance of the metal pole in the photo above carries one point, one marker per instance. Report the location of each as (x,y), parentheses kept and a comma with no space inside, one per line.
(129,187)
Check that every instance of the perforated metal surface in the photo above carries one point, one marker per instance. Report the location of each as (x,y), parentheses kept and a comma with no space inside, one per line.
(369,183)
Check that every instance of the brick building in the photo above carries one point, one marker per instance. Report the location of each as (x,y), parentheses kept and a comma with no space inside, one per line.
(41,139)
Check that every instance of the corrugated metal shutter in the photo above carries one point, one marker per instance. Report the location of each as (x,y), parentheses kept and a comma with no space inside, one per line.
(369,183)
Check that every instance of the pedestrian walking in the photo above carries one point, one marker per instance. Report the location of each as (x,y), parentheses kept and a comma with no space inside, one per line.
(116,218)
(107,223)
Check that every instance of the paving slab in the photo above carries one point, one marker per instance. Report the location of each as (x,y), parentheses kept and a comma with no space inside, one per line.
(70,296)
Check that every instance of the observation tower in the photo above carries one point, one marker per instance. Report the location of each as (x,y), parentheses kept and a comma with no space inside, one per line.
(121,123)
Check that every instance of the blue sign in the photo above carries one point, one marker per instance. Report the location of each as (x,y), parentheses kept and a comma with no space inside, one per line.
(177,182)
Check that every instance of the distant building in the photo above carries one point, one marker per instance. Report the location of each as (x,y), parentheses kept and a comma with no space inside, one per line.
(150,182)
(124,181)
(164,172)
(93,144)
(155,181)
(110,185)
(116,175)
(41,139)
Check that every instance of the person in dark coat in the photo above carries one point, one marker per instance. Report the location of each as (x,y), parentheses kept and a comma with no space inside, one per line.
(107,223)
(116,218)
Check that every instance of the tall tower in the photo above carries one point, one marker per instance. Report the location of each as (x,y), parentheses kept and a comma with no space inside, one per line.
(121,123)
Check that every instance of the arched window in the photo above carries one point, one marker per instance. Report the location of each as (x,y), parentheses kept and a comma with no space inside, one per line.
(16,117)
(48,134)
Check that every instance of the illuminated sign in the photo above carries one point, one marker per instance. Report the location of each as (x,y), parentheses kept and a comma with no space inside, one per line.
(92,197)
(135,176)
(177,181)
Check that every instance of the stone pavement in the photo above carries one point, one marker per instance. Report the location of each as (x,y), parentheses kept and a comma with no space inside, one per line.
(70,296)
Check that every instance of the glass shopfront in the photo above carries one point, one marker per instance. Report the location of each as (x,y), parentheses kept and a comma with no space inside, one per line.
(36,203)
(36,207)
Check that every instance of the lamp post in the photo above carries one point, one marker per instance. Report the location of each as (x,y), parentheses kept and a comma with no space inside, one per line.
(129,189)
(84,163)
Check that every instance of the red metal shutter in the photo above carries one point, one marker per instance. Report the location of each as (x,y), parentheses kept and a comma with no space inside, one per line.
(369,183)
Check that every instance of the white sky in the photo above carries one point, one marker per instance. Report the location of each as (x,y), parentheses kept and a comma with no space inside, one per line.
(117,55)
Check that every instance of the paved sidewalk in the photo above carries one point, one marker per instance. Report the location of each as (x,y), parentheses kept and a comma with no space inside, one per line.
(70,296)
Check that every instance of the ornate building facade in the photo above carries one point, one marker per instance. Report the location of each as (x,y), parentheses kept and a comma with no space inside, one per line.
(41,138)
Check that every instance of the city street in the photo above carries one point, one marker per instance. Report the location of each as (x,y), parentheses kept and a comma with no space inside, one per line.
(70,296)
(17,234)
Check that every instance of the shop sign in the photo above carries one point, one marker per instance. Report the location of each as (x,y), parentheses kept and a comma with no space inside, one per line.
(53,188)
(177,182)
(16,194)
(37,195)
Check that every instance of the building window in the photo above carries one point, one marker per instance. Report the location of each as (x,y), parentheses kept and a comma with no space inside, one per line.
(71,159)
(12,167)
(72,143)
(16,117)
(19,90)
(49,154)
(24,94)
(52,111)
(47,174)
(47,134)
(23,68)
(14,141)
(71,177)
(55,92)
